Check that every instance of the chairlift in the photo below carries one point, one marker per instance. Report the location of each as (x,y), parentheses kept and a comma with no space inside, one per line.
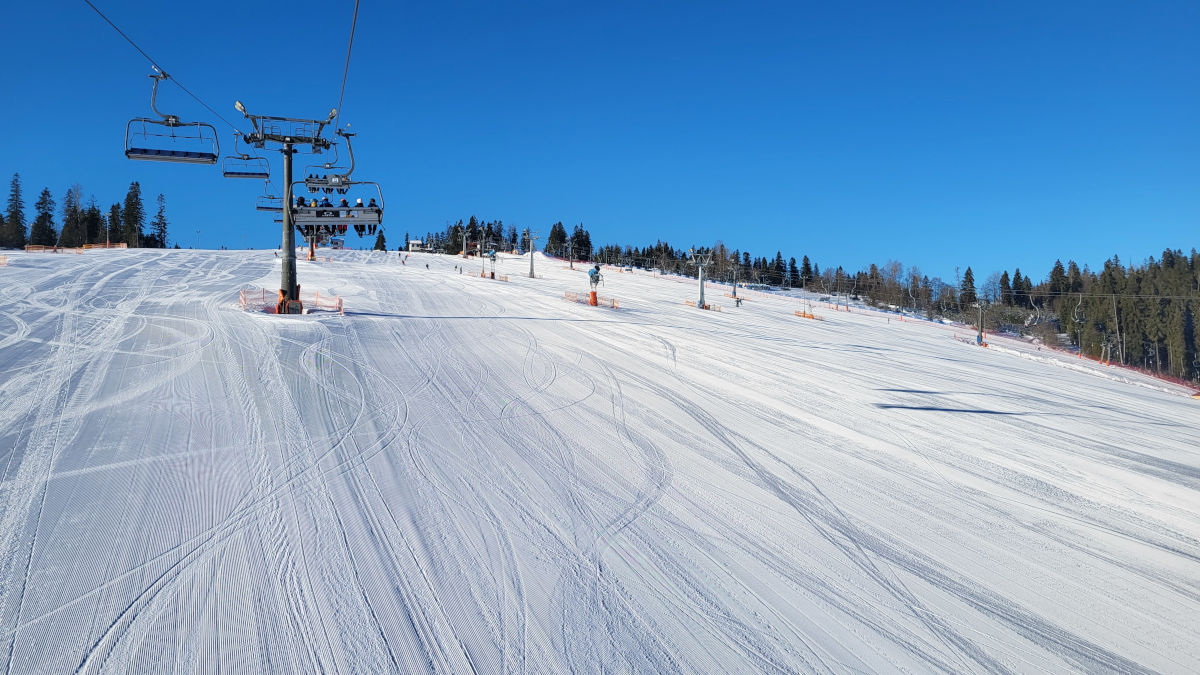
(169,139)
(269,203)
(242,165)
(358,214)
(331,177)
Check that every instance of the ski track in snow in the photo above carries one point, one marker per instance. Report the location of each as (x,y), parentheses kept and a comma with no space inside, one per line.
(463,475)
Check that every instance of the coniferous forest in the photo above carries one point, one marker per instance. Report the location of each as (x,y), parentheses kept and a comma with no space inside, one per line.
(74,221)
(1142,315)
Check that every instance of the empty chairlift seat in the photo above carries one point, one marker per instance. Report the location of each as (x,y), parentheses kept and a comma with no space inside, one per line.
(185,142)
(243,166)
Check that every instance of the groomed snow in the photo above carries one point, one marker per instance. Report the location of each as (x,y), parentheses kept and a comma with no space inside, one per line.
(464,474)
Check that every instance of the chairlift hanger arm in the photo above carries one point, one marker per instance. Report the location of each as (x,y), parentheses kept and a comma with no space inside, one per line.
(158,76)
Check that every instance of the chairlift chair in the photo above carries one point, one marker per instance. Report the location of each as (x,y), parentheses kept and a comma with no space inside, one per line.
(269,203)
(169,139)
(358,215)
(331,177)
(242,165)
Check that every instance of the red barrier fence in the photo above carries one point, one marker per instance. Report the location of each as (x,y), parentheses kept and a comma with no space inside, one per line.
(258,299)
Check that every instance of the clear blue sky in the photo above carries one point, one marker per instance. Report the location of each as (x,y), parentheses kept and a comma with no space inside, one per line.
(994,135)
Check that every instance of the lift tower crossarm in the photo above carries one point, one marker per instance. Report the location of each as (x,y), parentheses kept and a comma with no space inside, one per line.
(294,130)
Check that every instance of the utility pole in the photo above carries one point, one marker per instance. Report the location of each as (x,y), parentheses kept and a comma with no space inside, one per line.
(532,236)
(1117,319)
(979,337)
(482,261)
(288,132)
(464,252)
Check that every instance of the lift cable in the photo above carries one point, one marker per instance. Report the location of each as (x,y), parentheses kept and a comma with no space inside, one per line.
(346,70)
(154,64)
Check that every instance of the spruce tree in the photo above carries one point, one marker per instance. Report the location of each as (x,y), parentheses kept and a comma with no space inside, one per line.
(581,243)
(114,231)
(380,242)
(556,241)
(806,272)
(1058,279)
(42,232)
(158,227)
(794,278)
(93,223)
(133,216)
(73,234)
(966,294)
(1006,292)
(14,232)
(1074,278)
(1018,286)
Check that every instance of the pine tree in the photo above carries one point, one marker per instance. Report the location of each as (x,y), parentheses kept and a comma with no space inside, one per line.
(42,232)
(806,272)
(966,294)
(794,278)
(1018,286)
(133,216)
(14,233)
(158,227)
(1006,292)
(404,244)
(380,242)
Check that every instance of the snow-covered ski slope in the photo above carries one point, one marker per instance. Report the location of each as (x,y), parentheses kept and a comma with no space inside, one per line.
(462,474)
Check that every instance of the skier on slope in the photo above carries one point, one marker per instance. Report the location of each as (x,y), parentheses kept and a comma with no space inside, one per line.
(594,277)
